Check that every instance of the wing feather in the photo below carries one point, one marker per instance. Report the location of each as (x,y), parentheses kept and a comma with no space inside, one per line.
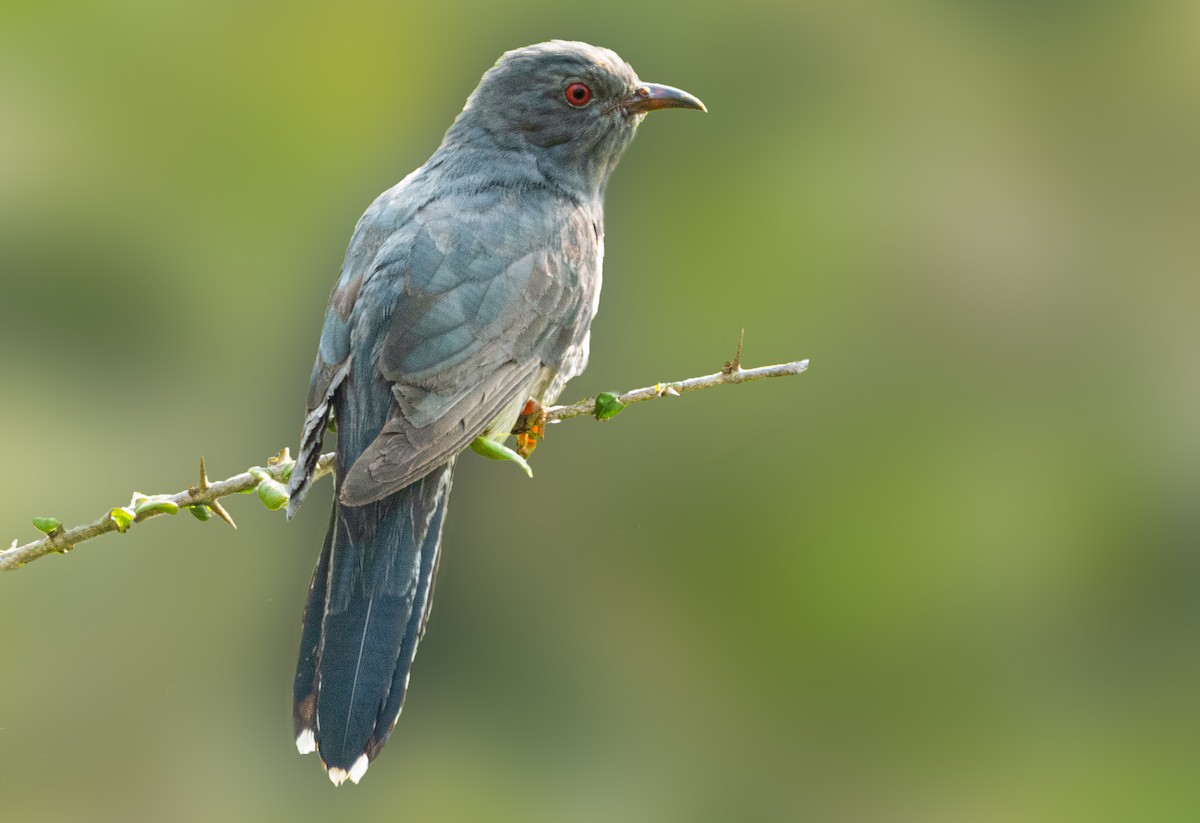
(461,334)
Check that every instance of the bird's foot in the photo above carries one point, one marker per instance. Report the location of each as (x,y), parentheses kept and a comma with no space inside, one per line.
(530,427)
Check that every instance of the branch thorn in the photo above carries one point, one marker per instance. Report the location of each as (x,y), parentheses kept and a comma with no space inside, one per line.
(735,365)
(219,510)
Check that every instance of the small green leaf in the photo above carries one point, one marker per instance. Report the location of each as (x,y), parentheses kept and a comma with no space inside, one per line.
(201,513)
(46,525)
(285,470)
(155,506)
(272,493)
(607,406)
(498,451)
(123,517)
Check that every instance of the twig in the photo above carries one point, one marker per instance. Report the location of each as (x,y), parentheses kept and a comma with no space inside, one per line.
(733,373)
(202,499)
(199,498)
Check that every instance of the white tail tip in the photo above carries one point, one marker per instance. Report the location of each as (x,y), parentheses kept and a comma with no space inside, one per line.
(340,776)
(359,768)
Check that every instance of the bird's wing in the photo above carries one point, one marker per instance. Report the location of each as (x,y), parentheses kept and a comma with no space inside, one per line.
(462,308)
(383,218)
(329,372)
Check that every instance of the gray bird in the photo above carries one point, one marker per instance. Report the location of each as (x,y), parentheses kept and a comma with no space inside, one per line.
(467,290)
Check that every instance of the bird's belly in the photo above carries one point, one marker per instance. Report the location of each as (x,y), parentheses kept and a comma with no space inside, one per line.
(502,424)
(545,388)
(574,361)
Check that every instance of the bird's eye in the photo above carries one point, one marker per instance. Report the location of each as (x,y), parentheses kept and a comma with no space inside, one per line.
(578,94)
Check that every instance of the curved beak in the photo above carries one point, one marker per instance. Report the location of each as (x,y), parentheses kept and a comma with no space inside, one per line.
(653,96)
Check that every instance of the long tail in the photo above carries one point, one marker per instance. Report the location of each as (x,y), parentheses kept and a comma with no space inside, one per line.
(367,606)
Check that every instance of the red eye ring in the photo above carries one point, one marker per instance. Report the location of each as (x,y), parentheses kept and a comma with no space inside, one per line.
(578,95)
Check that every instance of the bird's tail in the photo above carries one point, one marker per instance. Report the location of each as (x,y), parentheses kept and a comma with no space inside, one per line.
(366,611)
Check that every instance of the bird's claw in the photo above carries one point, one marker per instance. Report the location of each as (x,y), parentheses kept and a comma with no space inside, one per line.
(530,427)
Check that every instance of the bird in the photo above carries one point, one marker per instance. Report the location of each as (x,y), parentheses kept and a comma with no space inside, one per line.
(465,300)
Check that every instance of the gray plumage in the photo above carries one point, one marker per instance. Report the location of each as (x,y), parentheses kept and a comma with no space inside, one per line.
(467,289)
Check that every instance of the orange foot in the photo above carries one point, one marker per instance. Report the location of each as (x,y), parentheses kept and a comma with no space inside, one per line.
(530,427)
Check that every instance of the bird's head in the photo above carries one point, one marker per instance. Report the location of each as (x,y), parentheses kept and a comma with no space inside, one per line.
(574,106)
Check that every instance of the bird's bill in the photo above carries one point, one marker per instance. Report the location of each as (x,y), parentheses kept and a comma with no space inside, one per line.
(653,96)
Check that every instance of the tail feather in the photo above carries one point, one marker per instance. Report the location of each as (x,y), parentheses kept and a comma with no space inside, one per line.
(304,706)
(429,555)
(366,610)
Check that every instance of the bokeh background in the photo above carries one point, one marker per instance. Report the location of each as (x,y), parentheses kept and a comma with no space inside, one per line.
(950,574)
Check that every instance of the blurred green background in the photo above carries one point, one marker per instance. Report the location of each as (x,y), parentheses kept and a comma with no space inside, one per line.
(950,574)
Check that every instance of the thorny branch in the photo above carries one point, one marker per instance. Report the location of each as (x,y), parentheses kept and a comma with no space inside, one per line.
(202,499)
(731,374)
